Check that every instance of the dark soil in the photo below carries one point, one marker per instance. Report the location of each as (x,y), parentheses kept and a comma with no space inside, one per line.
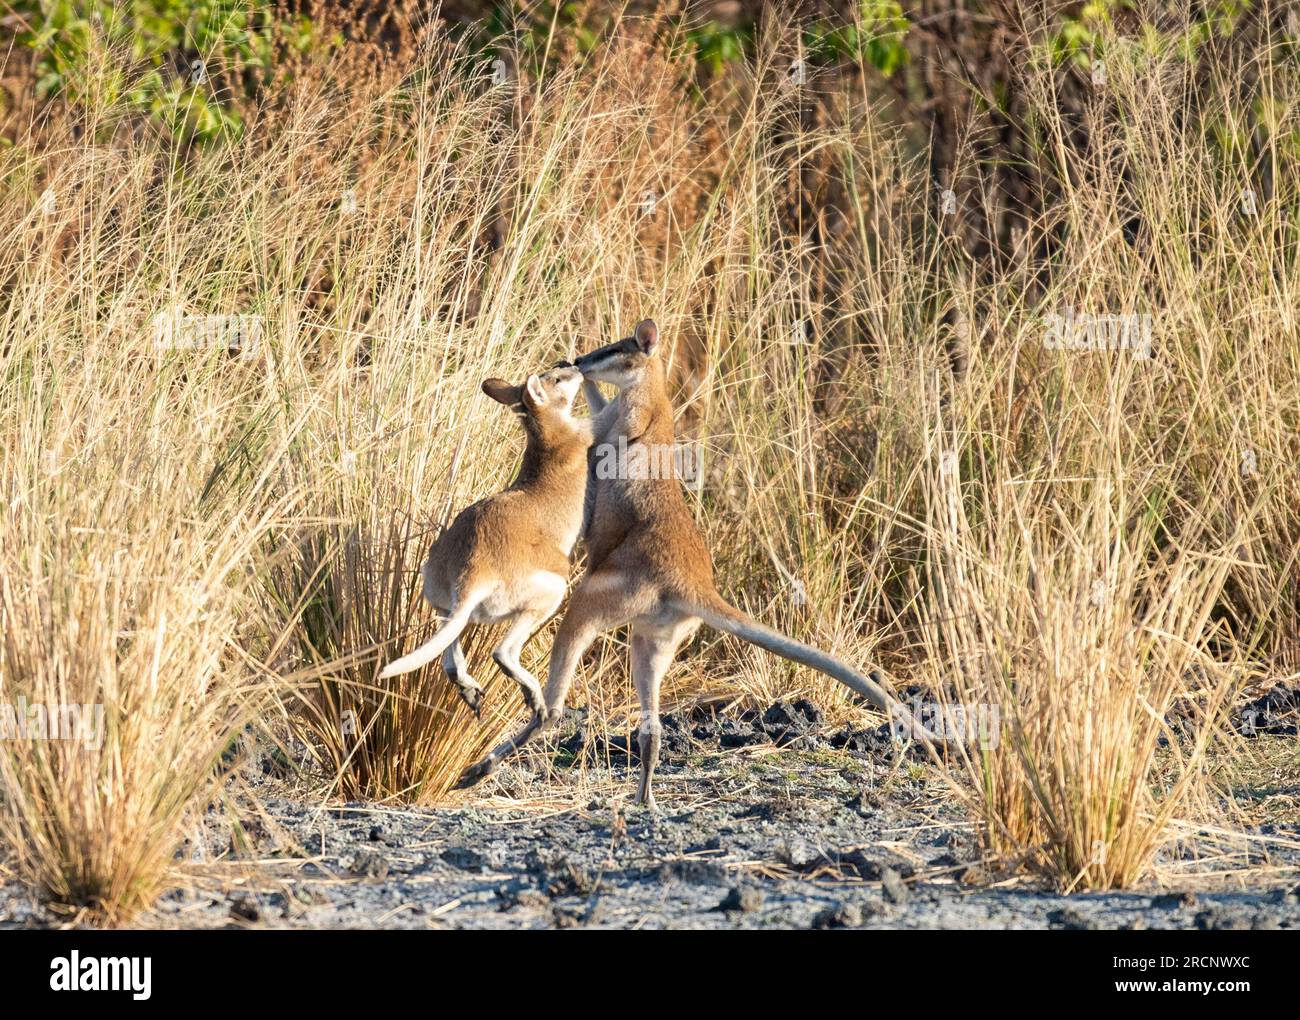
(768,819)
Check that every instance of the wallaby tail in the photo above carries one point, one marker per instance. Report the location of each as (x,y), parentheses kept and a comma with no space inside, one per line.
(436,645)
(720,615)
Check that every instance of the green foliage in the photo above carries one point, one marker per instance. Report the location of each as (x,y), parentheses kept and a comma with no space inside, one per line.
(877,38)
(536,26)
(1084,35)
(716,44)
(143,53)
(1081,36)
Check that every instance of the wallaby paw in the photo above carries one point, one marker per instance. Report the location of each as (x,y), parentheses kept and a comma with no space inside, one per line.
(473,697)
(475,774)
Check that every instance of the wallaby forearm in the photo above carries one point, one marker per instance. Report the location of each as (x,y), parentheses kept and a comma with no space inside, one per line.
(595,399)
(604,422)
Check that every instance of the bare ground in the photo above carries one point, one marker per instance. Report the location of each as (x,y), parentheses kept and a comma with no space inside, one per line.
(831,829)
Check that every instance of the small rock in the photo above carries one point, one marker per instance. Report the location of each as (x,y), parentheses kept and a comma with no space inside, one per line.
(812,715)
(694,871)
(896,890)
(732,734)
(674,738)
(842,915)
(871,870)
(1286,897)
(1067,918)
(464,858)
(1172,901)
(376,834)
(740,900)
(787,724)
(797,854)
(559,876)
(245,908)
(1213,920)
(781,715)
(370,865)
(521,894)
(867,742)
(866,803)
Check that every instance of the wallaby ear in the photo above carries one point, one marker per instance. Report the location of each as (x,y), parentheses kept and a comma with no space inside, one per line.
(646,335)
(502,392)
(535,392)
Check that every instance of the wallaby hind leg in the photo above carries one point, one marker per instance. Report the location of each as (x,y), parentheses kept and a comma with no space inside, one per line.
(506,655)
(653,649)
(603,601)
(594,609)
(457,670)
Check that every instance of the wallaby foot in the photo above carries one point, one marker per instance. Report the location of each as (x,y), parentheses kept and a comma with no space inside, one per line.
(476,773)
(649,742)
(540,722)
(454,665)
(528,685)
(473,697)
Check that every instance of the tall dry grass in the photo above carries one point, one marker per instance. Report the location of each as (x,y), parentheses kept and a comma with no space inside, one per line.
(194,533)
(1110,536)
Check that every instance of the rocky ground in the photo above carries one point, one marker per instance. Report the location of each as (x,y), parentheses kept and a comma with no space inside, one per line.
(769,820)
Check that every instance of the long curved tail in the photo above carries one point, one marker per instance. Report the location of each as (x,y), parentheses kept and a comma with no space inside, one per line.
(723,616)
(435,646)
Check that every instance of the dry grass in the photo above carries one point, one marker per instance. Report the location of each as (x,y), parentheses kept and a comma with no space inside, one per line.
(191,534)
(1108,536)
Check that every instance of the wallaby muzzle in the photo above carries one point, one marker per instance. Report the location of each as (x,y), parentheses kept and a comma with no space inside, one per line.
(592,360)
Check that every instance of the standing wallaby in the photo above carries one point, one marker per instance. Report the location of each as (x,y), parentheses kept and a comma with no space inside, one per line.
(507,557)
(647,564)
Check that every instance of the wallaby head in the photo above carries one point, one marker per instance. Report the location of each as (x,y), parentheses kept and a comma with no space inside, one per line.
(625,362)
(546,400)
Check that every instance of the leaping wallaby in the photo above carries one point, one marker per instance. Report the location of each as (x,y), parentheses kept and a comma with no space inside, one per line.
(647,564)
(508,557)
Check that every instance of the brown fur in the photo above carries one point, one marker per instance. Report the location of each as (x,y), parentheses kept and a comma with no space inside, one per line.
(647,564)
(507,558)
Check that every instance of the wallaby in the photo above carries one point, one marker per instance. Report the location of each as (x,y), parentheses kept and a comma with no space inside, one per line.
(647,563)
(507,558)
